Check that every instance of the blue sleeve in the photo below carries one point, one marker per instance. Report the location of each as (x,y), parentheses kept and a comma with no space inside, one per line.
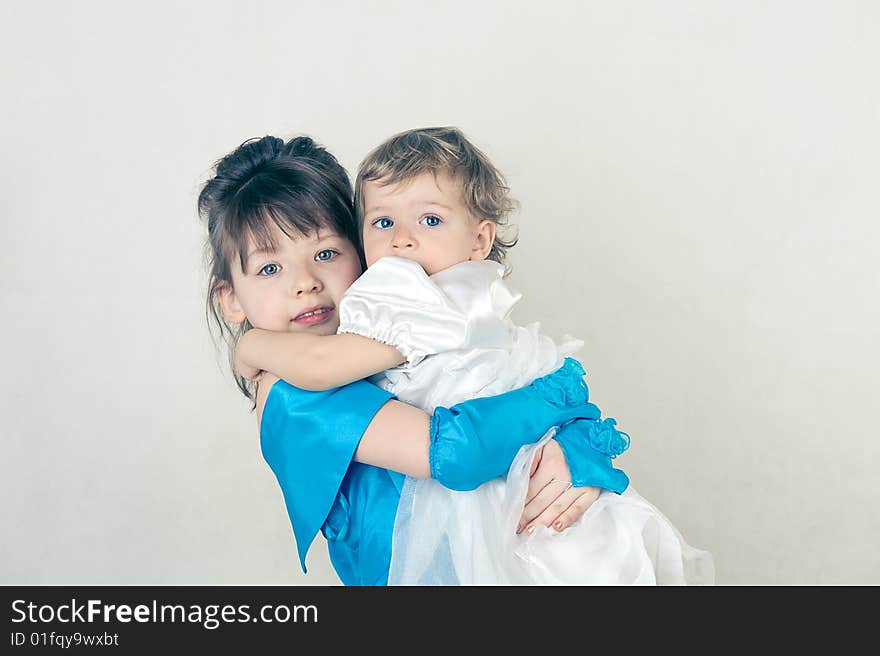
(309,440)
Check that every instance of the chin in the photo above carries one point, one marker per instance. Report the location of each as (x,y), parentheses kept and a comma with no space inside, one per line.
(431,269)
(326,328)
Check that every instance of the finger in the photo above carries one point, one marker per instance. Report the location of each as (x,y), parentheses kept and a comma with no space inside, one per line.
(558,506)
(537,484)
(577,508)
(539,479)
(538,498)
(535,461)
(543,499)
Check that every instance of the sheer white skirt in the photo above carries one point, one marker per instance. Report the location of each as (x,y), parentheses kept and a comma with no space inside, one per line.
(444,537)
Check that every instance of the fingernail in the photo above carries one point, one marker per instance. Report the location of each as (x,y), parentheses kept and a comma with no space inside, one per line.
(558,525)
(519,529)
(531,530)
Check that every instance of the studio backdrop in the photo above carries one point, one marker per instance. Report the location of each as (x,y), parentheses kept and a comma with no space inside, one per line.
(698,203)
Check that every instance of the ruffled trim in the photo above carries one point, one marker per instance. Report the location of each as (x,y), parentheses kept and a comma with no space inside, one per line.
(566,386)
(387,335)
(478,284)
(605,438)
(396,303)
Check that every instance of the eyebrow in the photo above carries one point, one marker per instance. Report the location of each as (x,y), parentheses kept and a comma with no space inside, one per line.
(319,237)
(271,251)
(257,251)
(382,208)
(435,204)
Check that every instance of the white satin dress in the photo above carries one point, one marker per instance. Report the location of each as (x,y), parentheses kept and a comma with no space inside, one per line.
(454,329)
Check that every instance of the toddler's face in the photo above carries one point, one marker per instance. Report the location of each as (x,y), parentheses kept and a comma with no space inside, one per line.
(423,219)
(294,288)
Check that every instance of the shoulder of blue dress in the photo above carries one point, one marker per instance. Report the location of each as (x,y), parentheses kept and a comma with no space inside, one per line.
(282,391)
(281,399)
(268,409)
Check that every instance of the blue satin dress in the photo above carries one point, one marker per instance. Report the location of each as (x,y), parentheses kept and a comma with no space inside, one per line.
(309,440)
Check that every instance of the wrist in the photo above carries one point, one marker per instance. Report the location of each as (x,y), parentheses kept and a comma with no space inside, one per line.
(243,347)
(589,446)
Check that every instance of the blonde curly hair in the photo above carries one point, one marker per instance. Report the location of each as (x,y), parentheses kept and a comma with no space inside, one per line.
(442,149)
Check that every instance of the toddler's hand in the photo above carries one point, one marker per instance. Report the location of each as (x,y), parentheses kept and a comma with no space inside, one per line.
(551,500)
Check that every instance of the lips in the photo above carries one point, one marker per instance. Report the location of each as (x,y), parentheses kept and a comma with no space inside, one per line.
(314,315)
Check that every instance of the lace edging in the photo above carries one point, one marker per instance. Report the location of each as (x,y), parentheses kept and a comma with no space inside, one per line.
(565,386)
(605,438)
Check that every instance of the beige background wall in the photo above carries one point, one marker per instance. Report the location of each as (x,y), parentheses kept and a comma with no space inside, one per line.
(698,184)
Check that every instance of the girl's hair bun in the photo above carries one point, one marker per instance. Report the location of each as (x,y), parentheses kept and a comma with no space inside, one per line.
(305,148)
(300,147)
(249,157)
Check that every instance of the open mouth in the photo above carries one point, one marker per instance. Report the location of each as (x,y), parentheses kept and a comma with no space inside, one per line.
(314,316)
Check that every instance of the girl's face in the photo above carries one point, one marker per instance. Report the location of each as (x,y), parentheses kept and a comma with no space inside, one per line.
(295,287)
(423,219)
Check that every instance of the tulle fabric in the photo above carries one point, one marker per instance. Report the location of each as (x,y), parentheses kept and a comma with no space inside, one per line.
(443,537)
(455,330)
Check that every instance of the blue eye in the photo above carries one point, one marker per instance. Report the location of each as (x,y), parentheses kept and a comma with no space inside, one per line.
(269,270)
(383,223)
(325,255)
(431,221)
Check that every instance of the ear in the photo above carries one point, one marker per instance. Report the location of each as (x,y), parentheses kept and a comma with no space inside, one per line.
(229,305)
(483,240)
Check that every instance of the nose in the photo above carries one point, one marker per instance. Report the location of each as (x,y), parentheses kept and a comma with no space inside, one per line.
(306,282)
(403,240)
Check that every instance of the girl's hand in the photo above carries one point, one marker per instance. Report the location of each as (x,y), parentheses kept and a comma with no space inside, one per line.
(551,500)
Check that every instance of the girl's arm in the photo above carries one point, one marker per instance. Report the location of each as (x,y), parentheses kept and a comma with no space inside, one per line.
(397,438)
(310,438)
(313,362)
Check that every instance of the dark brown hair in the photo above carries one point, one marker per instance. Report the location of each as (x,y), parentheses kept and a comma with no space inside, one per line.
(297,186)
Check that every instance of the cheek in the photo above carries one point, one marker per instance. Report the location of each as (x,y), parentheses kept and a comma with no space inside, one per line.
(261,312)
(353,274)
(453,244)
(345,278)
(372,251)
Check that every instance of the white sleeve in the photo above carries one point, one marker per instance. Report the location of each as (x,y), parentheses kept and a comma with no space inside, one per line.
(395,302)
